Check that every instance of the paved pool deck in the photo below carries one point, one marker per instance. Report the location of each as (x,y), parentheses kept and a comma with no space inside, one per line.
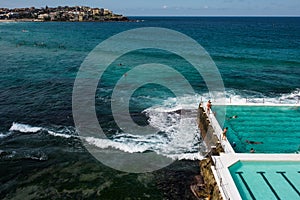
(225,160)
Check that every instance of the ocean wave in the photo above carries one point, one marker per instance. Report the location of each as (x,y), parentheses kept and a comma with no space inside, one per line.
(186,156)
(39,155)
(182,136)
(295,95)
(24,128)
(177,137)
(165,147)
(233,96)
(61,134)
(245,97)
(4,135)
(66,132)
(128,147)
(18,155)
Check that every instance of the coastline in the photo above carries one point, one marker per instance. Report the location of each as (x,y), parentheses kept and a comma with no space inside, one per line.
(37,20)
(60,14)
(18,20)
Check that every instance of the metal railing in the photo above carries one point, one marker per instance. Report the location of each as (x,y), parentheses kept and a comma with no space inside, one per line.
(264,101)
(219,166)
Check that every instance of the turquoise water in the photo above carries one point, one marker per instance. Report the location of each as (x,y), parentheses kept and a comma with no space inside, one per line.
(277,127)
(39,146)
(267,180)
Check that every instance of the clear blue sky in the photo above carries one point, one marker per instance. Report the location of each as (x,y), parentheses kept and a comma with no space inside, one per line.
(175,7)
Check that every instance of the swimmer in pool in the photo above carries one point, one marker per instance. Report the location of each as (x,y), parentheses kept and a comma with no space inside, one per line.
(232,117)
(253,142)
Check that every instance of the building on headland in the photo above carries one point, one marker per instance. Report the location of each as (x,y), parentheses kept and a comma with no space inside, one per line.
(60,13)
(44,17)
(12,15)
(96,11)
(80,18)
(3,15)
(107,12)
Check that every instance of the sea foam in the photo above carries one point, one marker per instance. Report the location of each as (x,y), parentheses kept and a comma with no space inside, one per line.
(177,137)
(24,128)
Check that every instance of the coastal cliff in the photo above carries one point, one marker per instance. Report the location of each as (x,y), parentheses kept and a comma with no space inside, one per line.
(211,141)
(60,13)
(205,185)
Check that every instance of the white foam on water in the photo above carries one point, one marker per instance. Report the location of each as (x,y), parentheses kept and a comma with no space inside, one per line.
(283,99)
(40,155)
(177,138)
(178,135)
(33,155)
(60,134)
(186,156)
(129,147)
(4,135)
(24,128)
(236,97)
(293,96)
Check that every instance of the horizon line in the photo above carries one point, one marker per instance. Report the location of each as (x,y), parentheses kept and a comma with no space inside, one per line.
(212,15)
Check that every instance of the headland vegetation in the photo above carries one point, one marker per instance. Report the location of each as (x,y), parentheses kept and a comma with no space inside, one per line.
(60,13)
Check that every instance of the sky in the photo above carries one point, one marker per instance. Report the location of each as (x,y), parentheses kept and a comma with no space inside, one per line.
(175,7)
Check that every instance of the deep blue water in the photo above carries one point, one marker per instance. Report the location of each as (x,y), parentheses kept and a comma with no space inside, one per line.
(258,58)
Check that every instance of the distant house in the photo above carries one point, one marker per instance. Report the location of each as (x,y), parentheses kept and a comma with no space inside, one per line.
(95,11)
(12,15)
(54,16)
(3,14)
(80,18)
(44,17)
(107,12)
(101,11)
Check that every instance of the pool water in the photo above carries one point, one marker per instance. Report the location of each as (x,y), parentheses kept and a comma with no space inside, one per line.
(267,179)
(276,127)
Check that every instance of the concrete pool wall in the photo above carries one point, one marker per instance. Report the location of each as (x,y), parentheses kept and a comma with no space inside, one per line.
(222,161)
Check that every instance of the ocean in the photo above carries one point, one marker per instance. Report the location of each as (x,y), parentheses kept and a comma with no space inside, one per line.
(42,154)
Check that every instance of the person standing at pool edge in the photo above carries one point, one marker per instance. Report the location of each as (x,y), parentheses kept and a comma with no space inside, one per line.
(208,106)
(224,133)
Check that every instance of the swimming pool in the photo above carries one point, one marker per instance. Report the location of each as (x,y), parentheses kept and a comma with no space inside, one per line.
(276,127)
(267,179)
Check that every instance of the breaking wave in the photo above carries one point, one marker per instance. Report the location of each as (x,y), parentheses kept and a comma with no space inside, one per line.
(177,137)
(65,132)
